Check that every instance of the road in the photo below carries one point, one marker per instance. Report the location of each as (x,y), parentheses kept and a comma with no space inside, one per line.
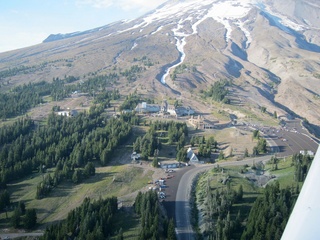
(283,142)
(182,206)
(286,140)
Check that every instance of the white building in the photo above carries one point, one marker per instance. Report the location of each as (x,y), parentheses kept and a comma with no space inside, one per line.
(180,111)
(192,156)
(72,113)
(147,108)
(135,156)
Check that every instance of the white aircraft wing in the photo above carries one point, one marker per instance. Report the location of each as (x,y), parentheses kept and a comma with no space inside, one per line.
(304,221)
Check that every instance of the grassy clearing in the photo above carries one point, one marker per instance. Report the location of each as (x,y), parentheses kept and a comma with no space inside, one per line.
(247,113)
(108,181)
(222,115)
(256,117)
(285,173)
(215,177)
(251,192)
(236,179)
(236,139)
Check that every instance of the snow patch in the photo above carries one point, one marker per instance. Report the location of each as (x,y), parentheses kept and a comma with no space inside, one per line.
(180,46)
(284,20)
(158,29)
(224,12)
(246,33)
(134,46)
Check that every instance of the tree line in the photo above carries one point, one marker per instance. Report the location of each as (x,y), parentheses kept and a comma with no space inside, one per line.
(94,219)
(301,163)
(219,202)
(22,98)
(19,100)
(68,144)
(23,217)
(270,213)
(75,141)
(261,146)
(16,70)
(147,144)
(132,74)
(218,91)
(97,145)
(153,226)
(205,146)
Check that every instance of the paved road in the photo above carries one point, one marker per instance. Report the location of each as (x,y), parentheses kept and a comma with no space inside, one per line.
(182,207)
(289,141)
(282,141)
(286,140)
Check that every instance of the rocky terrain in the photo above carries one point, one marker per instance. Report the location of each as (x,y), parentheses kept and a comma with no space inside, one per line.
(268,50)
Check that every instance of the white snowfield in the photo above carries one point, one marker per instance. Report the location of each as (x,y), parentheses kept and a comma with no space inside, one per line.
(181,15)
(222,12)
(304,219)
(230,13)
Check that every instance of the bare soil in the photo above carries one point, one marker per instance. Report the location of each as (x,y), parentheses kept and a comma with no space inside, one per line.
(80,103)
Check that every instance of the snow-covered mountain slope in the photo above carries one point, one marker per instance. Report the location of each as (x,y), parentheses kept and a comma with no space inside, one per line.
(268,49)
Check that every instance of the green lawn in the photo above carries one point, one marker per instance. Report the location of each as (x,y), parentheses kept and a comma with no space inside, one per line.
(108,181)
(285,173)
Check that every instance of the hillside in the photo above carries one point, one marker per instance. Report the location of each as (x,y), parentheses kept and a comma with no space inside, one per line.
(268,51)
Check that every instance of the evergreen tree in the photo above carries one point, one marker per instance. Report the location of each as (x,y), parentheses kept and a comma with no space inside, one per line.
(4,199)
(16,218)
(221,156)
(22,207)
(89,169)
(275,115)
(171,231)
(269,214)
(262,145)
(255,151)
(76,177)
(246,153)
(256,134)
(182,155)
(155,162)
(30,219)
(240,193)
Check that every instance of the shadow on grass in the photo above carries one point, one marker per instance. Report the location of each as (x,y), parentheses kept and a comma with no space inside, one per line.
(4,222)
(61,190)
(245,205)
(99,177)
(65,188)
(18,186)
